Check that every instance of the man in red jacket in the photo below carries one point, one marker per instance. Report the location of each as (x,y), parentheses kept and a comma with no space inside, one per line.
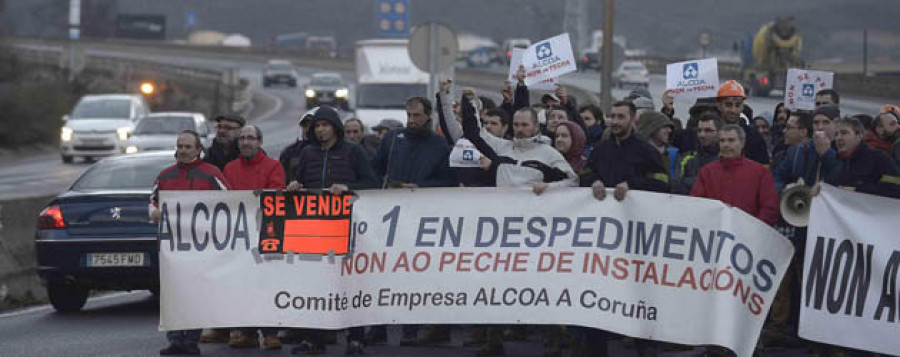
(738,181)
(188,173)
(254,170)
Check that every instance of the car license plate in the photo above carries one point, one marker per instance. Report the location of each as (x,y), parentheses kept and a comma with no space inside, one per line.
(93,142)
(115,260)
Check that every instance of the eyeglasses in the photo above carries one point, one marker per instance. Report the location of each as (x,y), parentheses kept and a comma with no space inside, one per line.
(227,127)
(247,137)
(789,127)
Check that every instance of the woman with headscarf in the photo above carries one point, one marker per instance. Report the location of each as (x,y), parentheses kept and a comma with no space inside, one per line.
(570,142)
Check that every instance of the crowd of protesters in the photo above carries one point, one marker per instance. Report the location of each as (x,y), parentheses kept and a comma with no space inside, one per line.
(722,152)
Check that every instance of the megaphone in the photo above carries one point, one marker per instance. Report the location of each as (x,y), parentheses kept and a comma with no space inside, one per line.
(795,202)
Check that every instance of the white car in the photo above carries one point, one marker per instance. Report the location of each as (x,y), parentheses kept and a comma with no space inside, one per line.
(99,125)
(158,131)
(631,73)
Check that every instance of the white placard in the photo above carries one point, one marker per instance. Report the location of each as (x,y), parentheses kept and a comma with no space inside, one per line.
(693,79)
(464,154)
(801,87)
(851,295)
(515,61)
(549,58)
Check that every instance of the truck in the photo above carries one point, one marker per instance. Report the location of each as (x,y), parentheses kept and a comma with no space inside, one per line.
(385,77)
(766,58)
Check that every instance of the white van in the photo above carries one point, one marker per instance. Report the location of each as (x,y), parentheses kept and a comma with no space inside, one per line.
(385,77)
(99,125)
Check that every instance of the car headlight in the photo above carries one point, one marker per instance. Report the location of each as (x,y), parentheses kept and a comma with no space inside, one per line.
(341,93)
(310,93)
(131,149)
(123,132)
(66,133)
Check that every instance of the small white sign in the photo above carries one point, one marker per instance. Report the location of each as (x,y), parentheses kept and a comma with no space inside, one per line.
(693,79)
(464,154)
(549,58)
(514,63)
(802,85)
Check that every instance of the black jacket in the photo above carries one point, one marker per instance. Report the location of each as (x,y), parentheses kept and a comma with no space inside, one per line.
(687,168)
(633,161)
(290,158)
(869,171)
(756,148)
(344,163)
(220,155)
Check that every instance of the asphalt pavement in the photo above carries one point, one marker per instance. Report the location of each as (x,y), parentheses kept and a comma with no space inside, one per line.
(125,324)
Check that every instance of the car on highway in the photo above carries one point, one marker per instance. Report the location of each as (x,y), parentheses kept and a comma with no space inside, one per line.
(631,73)
(96,235)
(280,72)
(99,125)
(327,88)
(158,131)
(511,44)
(590,59)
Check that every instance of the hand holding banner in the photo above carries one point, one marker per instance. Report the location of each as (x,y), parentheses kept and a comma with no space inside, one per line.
(515,62)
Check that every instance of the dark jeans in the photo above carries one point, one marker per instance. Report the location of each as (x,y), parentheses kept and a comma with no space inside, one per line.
(186,338)
(266,331)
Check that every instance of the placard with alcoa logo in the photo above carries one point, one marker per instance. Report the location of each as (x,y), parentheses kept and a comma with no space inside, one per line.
(802,85)
(548,59)
(516,61)
(693,79)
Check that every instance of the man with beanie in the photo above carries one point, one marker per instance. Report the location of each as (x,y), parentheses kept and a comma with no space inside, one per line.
(730,101)
(823,118)
(224,147)
(415,156)
(655,128)
(290,155)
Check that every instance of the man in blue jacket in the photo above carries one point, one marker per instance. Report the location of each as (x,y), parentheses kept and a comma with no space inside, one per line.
(414,156)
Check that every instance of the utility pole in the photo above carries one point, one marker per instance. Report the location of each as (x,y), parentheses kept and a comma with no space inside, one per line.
(865,53)
(74,34)
(606,78)
(575,24)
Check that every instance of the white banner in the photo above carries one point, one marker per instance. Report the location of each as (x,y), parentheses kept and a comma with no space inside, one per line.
(464,154)
(516,61)
(801,87)
(549,58)
(663,267)
(693,79)
(850,284)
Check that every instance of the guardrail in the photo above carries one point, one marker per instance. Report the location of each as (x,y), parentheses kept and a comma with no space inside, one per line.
(228,92)
(846,83)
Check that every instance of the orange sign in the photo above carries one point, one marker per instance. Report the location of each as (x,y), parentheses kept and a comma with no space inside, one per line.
(305,223)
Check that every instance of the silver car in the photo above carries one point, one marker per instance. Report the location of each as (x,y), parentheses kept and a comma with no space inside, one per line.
(159,131)
(99,125)
(632,73)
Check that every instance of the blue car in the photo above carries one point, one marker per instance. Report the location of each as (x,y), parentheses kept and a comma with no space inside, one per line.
(97,234)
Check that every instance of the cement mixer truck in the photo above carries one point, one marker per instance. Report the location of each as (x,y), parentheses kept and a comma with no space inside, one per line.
(767,56)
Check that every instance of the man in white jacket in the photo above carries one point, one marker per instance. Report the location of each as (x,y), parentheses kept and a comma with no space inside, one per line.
(524,161)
